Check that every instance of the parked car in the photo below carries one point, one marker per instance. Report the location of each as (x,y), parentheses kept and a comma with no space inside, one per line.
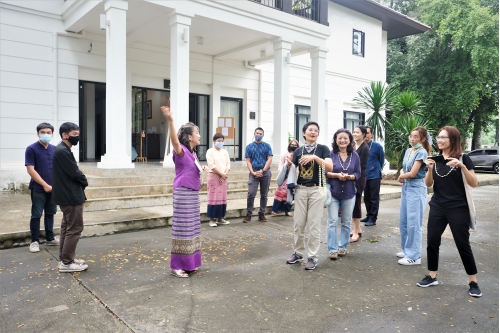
(486,159)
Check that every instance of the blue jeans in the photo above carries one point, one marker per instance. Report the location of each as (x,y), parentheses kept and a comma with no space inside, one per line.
(42,201)
(411,215)
(346,206)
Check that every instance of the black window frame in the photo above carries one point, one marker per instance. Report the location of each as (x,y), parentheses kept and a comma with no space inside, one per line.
(361,121)
(354,31)
(297,115)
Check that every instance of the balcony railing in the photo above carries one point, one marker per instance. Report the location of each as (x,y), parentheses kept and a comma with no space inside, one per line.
(314,10)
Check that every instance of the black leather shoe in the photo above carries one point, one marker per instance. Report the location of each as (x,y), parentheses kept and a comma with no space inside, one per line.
(364,220)
(370,223)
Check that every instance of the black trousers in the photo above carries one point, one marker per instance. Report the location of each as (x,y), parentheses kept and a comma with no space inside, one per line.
(458,219)
(372,198)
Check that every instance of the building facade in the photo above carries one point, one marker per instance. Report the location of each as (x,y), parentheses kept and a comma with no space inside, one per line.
(109,66)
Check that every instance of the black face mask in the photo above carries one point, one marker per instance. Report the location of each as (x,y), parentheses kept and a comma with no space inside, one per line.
(74,140)
(293,148)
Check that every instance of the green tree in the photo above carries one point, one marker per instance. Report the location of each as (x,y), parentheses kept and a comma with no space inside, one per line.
(378,98)
(453,66)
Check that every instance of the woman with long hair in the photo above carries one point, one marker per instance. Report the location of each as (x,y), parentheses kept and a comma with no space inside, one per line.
(217,178)
(281,193)
(448,205)
(185,256)
(342,179)
(312,159)
(413,196)
(359,135)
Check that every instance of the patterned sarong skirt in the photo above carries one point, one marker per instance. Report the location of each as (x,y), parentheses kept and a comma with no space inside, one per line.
(186,231)
(217,196)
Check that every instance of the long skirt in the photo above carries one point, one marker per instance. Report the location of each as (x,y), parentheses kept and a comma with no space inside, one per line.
(217,196)
(186,231)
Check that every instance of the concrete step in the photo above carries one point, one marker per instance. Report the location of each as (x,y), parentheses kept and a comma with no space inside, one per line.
(98,181)
(139,190)
(137,201)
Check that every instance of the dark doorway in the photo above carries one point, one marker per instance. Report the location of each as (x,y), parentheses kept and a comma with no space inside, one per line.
(92,116)
(198,114)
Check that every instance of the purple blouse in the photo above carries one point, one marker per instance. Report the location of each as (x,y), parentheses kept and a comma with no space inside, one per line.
(342,190)
(187,173)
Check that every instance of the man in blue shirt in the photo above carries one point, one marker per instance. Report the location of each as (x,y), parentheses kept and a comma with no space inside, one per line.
(259,156)
(38,162)
(373,176)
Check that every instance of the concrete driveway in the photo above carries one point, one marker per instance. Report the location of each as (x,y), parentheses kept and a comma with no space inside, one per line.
(245,285)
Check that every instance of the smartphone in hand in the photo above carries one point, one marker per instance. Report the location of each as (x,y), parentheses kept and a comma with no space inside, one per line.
(437,158)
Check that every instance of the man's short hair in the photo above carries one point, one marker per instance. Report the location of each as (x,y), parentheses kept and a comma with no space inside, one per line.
(259,129)
(44,125)
(369,127)
(68,127)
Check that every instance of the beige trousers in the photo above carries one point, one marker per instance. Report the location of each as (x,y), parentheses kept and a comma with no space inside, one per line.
(309,204)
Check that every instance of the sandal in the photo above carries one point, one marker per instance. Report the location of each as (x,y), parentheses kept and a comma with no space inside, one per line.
(273,214)
(180,273)
(289,214)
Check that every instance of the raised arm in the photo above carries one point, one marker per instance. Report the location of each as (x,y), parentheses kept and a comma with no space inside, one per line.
(173,132)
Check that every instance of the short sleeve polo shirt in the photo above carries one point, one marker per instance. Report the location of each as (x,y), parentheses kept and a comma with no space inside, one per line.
(41,158)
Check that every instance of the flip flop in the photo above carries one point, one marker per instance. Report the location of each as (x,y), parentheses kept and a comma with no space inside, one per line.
(180,273)
(352,240)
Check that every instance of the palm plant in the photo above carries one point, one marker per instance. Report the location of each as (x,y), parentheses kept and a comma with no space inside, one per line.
(397,131)
(377,98)
(408,103)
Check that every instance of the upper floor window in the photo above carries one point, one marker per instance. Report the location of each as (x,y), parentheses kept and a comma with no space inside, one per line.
(358,43)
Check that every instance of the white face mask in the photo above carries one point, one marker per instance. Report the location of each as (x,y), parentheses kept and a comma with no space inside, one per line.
(219,144)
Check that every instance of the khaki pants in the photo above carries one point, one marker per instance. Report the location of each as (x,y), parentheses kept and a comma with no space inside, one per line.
(71,229)
(309,204)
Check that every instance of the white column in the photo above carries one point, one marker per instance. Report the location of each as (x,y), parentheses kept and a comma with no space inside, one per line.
(318,112)
(215,109)
(116,87)
(179,71)
(281,95)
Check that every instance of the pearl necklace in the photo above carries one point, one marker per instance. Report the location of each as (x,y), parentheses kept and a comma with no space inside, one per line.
(342,165)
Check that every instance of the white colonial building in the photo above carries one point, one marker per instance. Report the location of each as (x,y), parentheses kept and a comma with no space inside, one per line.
(108,65)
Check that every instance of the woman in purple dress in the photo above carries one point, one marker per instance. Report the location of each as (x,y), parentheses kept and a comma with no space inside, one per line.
(185,255)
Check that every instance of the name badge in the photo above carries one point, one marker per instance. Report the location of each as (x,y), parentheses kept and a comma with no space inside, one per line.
(198,165)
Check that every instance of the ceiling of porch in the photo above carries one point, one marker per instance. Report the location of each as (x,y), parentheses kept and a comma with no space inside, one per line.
(149,23)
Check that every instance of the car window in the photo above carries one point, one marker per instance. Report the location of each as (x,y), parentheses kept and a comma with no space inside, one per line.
(476,152)
(491,152)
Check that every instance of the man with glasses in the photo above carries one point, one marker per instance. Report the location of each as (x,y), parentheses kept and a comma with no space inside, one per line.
(374,167)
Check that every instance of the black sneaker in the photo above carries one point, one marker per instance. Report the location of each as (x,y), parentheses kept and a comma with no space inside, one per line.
(364,220)
(427,282)
(474,289)
(294,259)
(311,264)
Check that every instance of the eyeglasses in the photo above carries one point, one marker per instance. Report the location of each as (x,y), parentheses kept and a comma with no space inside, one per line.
(442,137)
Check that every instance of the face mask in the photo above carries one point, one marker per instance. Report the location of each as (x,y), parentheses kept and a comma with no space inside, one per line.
(418,145)
(74,140)
(258,137)
(45,138)
(293,148)
(219,145)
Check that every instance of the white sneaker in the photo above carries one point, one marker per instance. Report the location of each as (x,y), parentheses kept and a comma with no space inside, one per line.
(400,254)
(34,247)
(222,221)
(409,262)
(77,261)
(73,267)
(54,242)
(212,223)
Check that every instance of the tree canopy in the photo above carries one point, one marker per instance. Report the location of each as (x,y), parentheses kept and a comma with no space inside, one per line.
(453,67)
